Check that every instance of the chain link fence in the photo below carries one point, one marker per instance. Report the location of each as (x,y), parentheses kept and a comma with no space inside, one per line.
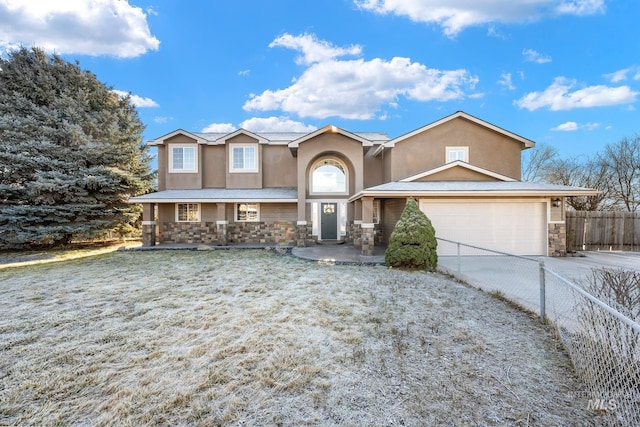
(596,318)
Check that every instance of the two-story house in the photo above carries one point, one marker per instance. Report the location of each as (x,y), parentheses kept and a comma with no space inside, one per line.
(336,185)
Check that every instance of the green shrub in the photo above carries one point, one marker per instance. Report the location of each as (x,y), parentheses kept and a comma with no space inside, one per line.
(412,243)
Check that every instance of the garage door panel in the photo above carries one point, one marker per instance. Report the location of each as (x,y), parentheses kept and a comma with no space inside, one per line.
(514,227)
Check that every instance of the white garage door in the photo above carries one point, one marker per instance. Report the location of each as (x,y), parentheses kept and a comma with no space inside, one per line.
(514,227)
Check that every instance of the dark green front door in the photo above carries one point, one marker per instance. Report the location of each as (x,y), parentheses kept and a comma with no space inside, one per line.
(329,221)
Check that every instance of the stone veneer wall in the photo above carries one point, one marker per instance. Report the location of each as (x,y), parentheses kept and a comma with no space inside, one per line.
(354,234)
(189,232)
(281,232)
(278,232)
(557,240)
(304,235)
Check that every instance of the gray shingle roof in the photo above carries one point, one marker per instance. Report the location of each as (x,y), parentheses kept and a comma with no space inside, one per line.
(475,186)
(285,137)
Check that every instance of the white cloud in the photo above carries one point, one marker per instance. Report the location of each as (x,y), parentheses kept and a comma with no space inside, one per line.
(86,27)
(559,96)
(162,119)
(581,7)
(505,81)
(621,75)
(356,88)
(219,128)
(136,100)
(455,16)
(573,126)
(244,73)
(566,127)
(262,124)
(531,55)
(275,124)
(313,50)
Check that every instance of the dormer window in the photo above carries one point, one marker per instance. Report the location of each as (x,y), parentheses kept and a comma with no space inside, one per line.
(243,158)
(457,153)
(182,158)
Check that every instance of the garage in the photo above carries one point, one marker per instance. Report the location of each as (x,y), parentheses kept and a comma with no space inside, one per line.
(512,226)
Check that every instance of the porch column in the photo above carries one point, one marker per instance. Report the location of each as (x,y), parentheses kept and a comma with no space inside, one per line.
(148,224)
(222,224)
(302,234)
(367,226)
(367,239)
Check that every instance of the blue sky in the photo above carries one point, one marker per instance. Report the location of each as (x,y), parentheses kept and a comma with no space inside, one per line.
(564,73)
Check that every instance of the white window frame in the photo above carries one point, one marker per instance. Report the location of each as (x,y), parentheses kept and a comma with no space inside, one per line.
(320,163)
(244,169)
(198,212)
(457,150)
(376,212)
(237,206)
(194,147)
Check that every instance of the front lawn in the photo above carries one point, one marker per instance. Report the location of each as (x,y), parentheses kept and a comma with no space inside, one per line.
(254,338)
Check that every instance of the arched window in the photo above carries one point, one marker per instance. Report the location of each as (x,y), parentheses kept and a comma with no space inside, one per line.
(329,176)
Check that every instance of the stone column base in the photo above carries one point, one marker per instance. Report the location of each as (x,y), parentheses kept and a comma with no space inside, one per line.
(148,233)
(557,240)
(302,234)
(368,237)
(221,232)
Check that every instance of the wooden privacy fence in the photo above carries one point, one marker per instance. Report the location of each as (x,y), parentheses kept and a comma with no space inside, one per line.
(602,230)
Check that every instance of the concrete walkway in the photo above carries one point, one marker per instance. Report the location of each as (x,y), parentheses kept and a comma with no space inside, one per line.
(340,254)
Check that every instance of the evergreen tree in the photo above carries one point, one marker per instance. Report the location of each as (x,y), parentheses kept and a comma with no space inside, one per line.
(412,243)
(71,153)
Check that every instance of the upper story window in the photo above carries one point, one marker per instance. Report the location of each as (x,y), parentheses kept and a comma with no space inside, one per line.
(329,176)
(182,158)
(244,158)
(457,153)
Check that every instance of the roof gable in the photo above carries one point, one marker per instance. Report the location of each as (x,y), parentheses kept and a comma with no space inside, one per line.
(331,129)
(458,164)
(527,143)
(227,137)
(162,139)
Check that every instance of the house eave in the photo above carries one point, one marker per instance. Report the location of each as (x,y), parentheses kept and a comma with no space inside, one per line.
(161,140)
(472,193)
(461,164)
(134,200)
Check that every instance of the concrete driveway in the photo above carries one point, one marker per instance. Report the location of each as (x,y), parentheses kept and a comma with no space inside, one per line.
(518,279)
(577,267)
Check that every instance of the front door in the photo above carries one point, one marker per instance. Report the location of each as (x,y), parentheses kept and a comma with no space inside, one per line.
(329,221)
